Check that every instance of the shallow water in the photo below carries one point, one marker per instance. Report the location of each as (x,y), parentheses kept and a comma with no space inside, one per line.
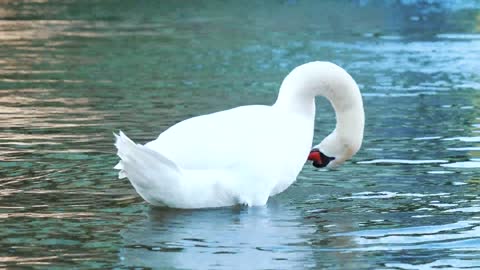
(72,72)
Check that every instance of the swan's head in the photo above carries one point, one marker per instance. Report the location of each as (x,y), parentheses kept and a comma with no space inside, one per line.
(297,94)
(335,149)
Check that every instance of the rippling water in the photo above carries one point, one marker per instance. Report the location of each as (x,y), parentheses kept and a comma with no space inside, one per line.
(72,72)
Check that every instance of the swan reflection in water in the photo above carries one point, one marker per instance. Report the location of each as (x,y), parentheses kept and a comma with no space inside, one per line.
(232,238)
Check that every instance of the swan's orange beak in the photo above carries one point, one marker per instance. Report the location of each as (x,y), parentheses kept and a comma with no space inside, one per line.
(319,159)
(315,156)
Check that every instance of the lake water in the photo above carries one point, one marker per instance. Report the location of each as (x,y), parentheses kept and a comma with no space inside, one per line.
(72,72)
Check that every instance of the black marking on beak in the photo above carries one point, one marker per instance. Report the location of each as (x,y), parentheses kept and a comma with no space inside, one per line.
(321,159)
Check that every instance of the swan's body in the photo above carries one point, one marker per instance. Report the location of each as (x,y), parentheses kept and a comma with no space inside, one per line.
(246,154)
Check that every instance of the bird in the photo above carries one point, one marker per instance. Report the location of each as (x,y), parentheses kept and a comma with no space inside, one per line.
(244,155)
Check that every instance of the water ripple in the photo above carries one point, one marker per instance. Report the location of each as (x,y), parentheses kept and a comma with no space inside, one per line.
(403,161)
(463,164)
(444,264)
(387,195)
(462,235)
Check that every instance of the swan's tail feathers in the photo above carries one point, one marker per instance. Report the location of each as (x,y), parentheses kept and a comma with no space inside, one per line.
(153,175)
(119,166)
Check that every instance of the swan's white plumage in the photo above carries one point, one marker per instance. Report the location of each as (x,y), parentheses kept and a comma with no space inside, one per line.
(242,155)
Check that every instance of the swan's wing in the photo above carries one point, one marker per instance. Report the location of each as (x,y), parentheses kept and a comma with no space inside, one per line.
(262,148)
(219,140)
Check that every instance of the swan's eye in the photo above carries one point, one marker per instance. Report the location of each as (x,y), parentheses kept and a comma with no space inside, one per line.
(319,159)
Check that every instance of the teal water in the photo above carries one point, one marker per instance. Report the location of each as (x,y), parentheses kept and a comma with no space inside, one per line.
(72,72)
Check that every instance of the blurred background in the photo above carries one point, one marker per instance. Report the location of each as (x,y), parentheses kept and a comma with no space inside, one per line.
(72,72)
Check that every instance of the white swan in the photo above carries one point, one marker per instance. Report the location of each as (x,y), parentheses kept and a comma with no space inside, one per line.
(246,154)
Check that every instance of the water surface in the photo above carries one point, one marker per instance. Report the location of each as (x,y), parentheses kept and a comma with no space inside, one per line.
(72,72)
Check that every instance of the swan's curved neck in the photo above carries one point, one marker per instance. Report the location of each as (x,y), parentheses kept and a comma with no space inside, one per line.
(300,87)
